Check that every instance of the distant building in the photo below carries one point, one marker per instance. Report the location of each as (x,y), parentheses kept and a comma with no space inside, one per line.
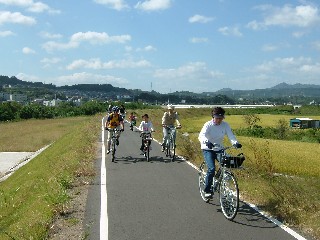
(304,123)
(13,97)
(52,103)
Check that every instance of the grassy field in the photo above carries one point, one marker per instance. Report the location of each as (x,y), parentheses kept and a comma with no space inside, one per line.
(36,193)
(280,177)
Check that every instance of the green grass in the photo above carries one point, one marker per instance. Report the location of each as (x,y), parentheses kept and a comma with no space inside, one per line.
(281,177)
(38,191)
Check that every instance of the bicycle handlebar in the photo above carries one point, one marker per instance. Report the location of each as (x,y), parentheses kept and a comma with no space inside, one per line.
(219,147)
(171,127)
(114,130)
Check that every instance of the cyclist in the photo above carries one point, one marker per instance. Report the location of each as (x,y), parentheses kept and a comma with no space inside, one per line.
(122,110)
(168,120)
(145,126)
(114,120)
(132,119)
(214,131)
(109,109)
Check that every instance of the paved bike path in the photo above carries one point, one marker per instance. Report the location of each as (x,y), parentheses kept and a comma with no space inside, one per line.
(160,200)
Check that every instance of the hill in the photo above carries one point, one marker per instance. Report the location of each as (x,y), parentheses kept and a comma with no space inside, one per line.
(279,94)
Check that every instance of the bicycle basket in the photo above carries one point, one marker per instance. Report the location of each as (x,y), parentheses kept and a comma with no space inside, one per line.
(233,161)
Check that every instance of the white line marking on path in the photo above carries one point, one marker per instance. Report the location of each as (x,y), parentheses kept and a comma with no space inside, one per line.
(103,184)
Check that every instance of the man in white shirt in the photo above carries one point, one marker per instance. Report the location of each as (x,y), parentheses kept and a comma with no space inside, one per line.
(213,132)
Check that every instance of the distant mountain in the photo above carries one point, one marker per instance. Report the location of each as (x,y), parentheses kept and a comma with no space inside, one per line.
(280,93)
(297,85)
(13,81)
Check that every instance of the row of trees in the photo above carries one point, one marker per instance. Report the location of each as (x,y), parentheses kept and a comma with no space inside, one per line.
(12,111)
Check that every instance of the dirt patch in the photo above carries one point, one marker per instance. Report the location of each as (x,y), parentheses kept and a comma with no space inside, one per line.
(68,224)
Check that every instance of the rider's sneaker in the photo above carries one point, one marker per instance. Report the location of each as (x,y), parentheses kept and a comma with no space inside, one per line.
(142,152)
(208,194)
(117,142)
(108,151)
(162,147)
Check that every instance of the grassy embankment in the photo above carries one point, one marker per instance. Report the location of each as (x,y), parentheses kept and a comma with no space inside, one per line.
(280,177)
(36,193)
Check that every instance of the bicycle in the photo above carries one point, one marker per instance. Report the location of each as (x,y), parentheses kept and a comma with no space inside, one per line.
(146,138)
(224,182)
(133,123)
(170,143)
(114,140)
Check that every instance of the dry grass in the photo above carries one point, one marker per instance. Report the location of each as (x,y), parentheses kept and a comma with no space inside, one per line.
(31,135)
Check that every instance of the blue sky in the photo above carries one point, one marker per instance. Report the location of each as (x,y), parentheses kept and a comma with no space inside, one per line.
(163,45)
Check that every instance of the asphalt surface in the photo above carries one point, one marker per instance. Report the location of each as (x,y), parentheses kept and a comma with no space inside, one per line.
(160,200)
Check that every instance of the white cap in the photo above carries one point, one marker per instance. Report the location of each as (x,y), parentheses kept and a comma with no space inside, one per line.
(170,106)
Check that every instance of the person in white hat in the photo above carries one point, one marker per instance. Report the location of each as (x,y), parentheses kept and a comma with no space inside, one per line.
(170,117)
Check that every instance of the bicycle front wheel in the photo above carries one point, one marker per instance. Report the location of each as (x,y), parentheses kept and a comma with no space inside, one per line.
(148,154)
(168,149)
(202,182)
(173,149)
(229,195)
(113,150)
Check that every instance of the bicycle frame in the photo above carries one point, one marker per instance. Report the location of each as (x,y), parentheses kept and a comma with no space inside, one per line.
(113,132)
(170,144)
(146,138)
(133,123)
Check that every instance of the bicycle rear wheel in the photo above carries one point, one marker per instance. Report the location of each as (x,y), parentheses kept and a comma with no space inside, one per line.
(168,149)
(202,182)
(229,195)
(113,150)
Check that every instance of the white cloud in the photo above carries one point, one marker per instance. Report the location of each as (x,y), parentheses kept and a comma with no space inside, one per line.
(298,34)
(53,46)
(114,4)
(98,38)
(254,25)
(50,35)
(48,62)
(192,71)
(6,33)
(88,78)
(26,77)
(233,31)
(15,17)
(316,45)
(30,6)
(153,5)
(198,40)
(310,69)
(200,19)
(288,15)
(293,69)
(194,76)
(269,48)
(148,48)
(98,64)
(27,50)
(91,37)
